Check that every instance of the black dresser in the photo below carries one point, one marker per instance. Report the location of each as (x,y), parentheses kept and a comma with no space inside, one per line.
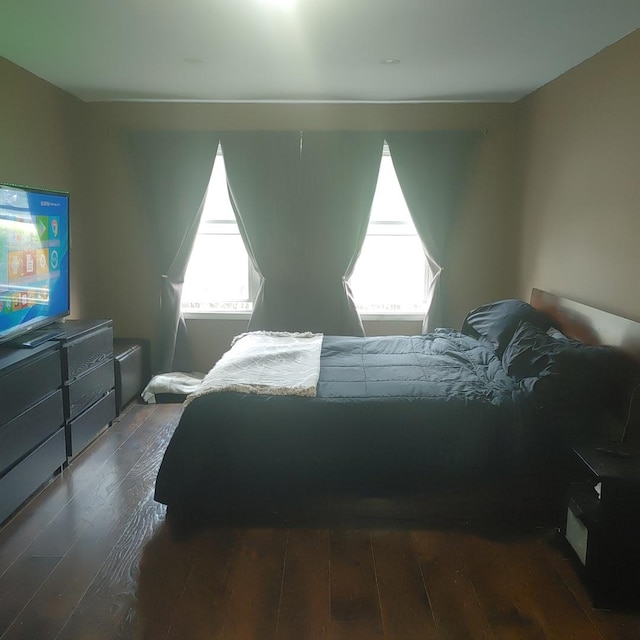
(88,381)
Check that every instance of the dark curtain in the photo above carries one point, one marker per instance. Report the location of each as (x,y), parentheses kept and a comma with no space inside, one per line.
(302,204)
(339,177)
(263,174)
(173,170)
(432,169)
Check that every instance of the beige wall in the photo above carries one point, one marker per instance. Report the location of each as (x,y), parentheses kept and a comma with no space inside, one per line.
(579,145)
(50,139)
(40,146)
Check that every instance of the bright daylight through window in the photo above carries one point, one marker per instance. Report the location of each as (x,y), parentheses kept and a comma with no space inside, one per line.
(220,277)
(392,276)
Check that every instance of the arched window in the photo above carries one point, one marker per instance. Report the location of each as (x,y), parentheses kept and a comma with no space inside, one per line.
(393,276)
(220,277)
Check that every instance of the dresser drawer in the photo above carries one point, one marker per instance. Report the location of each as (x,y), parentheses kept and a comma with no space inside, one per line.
(29,429)
(82,430)
(19,483)
(28,384)
(82,392)
(83,354)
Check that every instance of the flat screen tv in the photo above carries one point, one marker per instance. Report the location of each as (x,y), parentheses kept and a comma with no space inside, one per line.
(34,261)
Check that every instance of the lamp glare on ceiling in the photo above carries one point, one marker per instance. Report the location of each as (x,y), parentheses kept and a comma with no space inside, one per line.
(285,4)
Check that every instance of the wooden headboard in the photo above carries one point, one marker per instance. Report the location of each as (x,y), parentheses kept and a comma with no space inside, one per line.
(588,324)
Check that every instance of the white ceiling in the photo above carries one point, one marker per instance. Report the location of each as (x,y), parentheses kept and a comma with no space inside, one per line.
(313,50)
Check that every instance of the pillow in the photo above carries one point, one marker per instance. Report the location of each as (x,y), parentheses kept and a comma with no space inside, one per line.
(498,321)
(568,369)
(533,352)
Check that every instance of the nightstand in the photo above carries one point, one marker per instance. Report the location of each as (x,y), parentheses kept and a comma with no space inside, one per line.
(603,523)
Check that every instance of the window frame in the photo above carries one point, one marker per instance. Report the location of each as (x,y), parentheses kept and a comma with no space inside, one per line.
(401,316)
(254,278)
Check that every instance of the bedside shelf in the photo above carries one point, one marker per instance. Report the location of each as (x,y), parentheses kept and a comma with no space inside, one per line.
(603,523)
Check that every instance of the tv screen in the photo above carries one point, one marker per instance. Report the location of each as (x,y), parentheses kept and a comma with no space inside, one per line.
(34,258)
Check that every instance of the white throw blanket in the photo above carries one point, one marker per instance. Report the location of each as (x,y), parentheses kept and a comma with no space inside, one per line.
(172,383)
(266,362)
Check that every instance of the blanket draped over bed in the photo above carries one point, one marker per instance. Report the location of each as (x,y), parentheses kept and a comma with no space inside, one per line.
(266,362)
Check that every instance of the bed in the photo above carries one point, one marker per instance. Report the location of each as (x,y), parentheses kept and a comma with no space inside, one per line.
(516,382)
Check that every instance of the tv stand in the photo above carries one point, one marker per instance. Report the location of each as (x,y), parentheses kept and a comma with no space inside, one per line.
(35,339)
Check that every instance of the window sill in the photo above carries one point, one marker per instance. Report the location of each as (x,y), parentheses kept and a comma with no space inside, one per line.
(216,315)
(392,317)
(245,315)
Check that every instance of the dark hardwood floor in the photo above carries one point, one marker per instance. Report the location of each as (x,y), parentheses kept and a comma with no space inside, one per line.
(92,557)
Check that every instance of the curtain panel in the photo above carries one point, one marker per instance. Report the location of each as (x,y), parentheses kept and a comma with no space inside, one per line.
(339,177)
(263,174)
(173,170)
(302,201)
(432,169)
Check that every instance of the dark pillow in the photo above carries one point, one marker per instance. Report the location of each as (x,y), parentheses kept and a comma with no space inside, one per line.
(498,321)
(566,369)
(531,352)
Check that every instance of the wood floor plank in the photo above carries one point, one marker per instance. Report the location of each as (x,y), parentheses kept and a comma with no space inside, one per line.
(91,487)
(165,566)
(18,586)
(355,603)
(546,596)
(18,534)
(256,581)
(499,587)
(405,606)
(202,609)
(67,584)
(454,602)
(306,603)
(108,609)
(612,625)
